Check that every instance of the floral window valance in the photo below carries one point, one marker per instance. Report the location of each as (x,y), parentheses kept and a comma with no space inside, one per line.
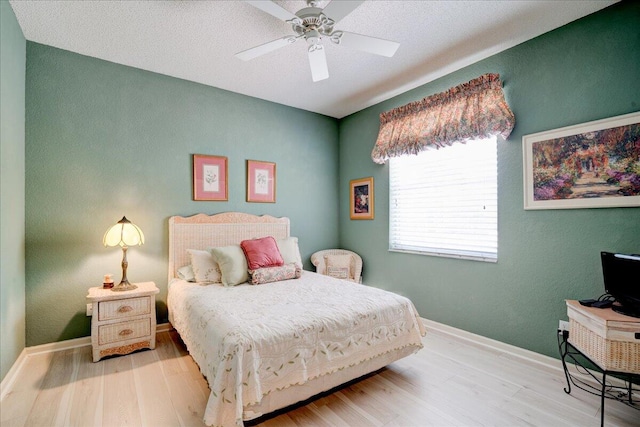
(476,109)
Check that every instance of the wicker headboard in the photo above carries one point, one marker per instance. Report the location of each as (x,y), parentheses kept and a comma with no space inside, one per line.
(205,231)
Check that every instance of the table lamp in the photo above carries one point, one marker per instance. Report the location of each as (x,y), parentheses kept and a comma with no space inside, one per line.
(123,234)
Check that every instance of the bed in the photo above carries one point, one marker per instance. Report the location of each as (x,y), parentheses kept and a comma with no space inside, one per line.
(265,347)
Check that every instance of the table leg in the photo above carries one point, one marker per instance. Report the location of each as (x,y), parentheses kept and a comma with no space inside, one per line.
(563,355)
(604,385)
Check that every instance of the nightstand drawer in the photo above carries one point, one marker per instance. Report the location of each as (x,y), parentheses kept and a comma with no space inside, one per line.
(123,331)
(124,308)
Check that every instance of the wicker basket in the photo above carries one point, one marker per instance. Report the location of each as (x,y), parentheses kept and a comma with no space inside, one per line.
(607,338)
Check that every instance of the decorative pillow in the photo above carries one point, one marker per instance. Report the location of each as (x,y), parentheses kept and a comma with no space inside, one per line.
(289,250)
(232,263)
(338,266)
(261,253)
(186,273)
(205,268)
(274,274)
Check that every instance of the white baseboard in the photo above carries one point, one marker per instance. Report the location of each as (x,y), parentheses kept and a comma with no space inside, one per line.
(58,346)
(76,342)
(164,327)
(9,379)
(528,355)
(522,353)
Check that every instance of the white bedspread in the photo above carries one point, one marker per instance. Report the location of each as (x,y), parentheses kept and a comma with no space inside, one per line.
(251,340)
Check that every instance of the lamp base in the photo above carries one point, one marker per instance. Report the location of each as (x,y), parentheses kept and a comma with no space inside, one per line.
(124,286)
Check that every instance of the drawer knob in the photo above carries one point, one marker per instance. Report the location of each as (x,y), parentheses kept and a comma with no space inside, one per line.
(125,309)
(125,332)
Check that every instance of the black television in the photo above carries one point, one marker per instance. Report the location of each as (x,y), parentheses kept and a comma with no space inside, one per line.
(621,274)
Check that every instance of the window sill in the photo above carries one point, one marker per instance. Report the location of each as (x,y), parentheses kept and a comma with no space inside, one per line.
(448,255)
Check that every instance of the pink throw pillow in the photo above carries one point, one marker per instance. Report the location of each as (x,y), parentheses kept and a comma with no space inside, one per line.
(262,253)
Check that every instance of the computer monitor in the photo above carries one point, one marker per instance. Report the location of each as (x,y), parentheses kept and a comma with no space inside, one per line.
(621,274)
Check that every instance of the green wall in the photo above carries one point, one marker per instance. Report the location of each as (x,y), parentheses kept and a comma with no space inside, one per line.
(587,70)
(12,142)
(106,140)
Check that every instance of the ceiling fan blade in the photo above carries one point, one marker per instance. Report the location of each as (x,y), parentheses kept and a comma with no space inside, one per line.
(365,43)
(318,62)
(272,9)
(338,9)
(254,52)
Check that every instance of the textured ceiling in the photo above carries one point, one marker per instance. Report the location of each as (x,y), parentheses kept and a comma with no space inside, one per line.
(197,40)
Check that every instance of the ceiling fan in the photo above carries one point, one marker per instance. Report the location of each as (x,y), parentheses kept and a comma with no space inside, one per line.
(313,24)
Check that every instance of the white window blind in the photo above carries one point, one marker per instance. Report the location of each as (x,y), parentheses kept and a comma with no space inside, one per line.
(445,202)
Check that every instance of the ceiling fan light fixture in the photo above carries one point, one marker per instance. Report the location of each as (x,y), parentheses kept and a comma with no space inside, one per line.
(315,46)
(313,38)
(295,22)
(336,37)
(314,23)
(312,18)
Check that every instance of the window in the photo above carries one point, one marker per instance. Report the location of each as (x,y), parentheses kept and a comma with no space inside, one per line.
(445,202)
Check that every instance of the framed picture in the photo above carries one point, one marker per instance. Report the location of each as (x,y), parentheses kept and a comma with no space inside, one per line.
(591,165)
(361,198)
(210,178)
(261,182)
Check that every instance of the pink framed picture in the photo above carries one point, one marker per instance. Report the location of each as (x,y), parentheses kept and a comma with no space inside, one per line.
(261,182)
(210,178)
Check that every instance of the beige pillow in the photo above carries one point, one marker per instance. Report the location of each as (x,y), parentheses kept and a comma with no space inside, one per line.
(290,251)
(338,266)
(186,273)
(205,268)
(232,263)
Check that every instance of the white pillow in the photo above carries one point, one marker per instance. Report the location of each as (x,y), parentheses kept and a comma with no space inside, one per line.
(186,273)
(290,251)
(205,268)
(232,263)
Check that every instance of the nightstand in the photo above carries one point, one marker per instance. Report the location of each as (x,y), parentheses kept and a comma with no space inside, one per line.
(124,321)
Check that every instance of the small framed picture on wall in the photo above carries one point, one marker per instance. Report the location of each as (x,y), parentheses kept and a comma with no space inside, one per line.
(261,182)
(361,198)
(210,178)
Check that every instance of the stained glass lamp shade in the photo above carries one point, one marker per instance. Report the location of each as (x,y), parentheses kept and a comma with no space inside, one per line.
(123,234)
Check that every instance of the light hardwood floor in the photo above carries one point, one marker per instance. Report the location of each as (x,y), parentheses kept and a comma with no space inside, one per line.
(451,382)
